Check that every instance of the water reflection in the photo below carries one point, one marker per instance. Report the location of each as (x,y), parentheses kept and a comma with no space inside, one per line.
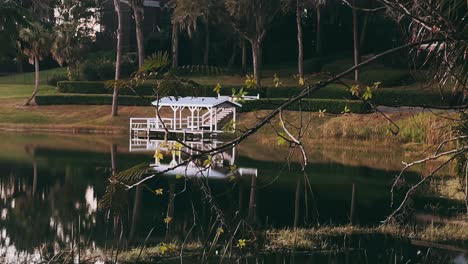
(51,196)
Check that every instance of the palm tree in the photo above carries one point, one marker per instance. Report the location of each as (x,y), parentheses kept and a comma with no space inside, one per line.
(35,41)
(138,12)
(66,47)
(115,95)
(175,44)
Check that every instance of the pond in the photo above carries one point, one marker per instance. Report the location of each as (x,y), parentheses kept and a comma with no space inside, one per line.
(56,190)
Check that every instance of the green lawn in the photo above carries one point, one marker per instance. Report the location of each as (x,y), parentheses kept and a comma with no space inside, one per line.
(22,85)
(9,91)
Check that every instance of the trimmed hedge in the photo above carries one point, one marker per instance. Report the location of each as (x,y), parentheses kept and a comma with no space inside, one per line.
(99,87)
(416,98)
(372,73)
(310,105)
(86,99)
(332,106)
(383,97)
(388,77)
(190,88)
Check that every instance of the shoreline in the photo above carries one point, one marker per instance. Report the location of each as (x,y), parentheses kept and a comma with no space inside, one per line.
(73,129)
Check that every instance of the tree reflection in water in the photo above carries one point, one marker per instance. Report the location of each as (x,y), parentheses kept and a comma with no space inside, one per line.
(49,211)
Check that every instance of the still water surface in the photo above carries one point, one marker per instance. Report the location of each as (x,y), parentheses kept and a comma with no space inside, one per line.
(52,186)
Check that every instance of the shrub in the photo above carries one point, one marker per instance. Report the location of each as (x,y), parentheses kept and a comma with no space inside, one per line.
(198,70)
(331,106)
(381,97)
(387,76)
(56,78)
(313,65)
(101,67)
(85,99)
(309,105)
(416,98)
(81,87)
(372,73)
(96,87)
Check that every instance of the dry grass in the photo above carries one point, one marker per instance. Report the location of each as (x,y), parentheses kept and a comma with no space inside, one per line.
(162,250)
(321,238)
(422,128)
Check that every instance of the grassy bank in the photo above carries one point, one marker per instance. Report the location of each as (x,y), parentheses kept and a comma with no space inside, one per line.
(423,128)
(315,240)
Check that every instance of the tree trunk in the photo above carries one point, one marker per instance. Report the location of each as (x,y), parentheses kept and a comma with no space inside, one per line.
(232,59)
(206,55)
(318,36)
(115,95)
(175,45)
(139,34)
(256,58)
(253,200)
(297,202)
(362,38)
(244,56)
(34,189)
(36,83)
(355,41)
(365,23)
(113,150)
(353,204)
(136,212)
(300,56)
(170,210)
(19,63)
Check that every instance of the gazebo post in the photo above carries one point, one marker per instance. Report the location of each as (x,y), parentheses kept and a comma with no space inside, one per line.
(211,119)
(198,118)
(192,123)
(234,118)
(174,124)
(216,119)
(180,116)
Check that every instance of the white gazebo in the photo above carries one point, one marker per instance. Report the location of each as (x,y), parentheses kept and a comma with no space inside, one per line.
(192,115)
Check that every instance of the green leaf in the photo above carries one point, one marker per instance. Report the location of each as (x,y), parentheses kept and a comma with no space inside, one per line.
(280,139)
(346,110)
(178,145)
(276,81)
(208,161)
(354,90)
(250,81)
(322,112)
(367,94)
(217,88)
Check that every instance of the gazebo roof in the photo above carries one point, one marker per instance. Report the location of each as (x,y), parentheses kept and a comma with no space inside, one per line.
(194,101)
